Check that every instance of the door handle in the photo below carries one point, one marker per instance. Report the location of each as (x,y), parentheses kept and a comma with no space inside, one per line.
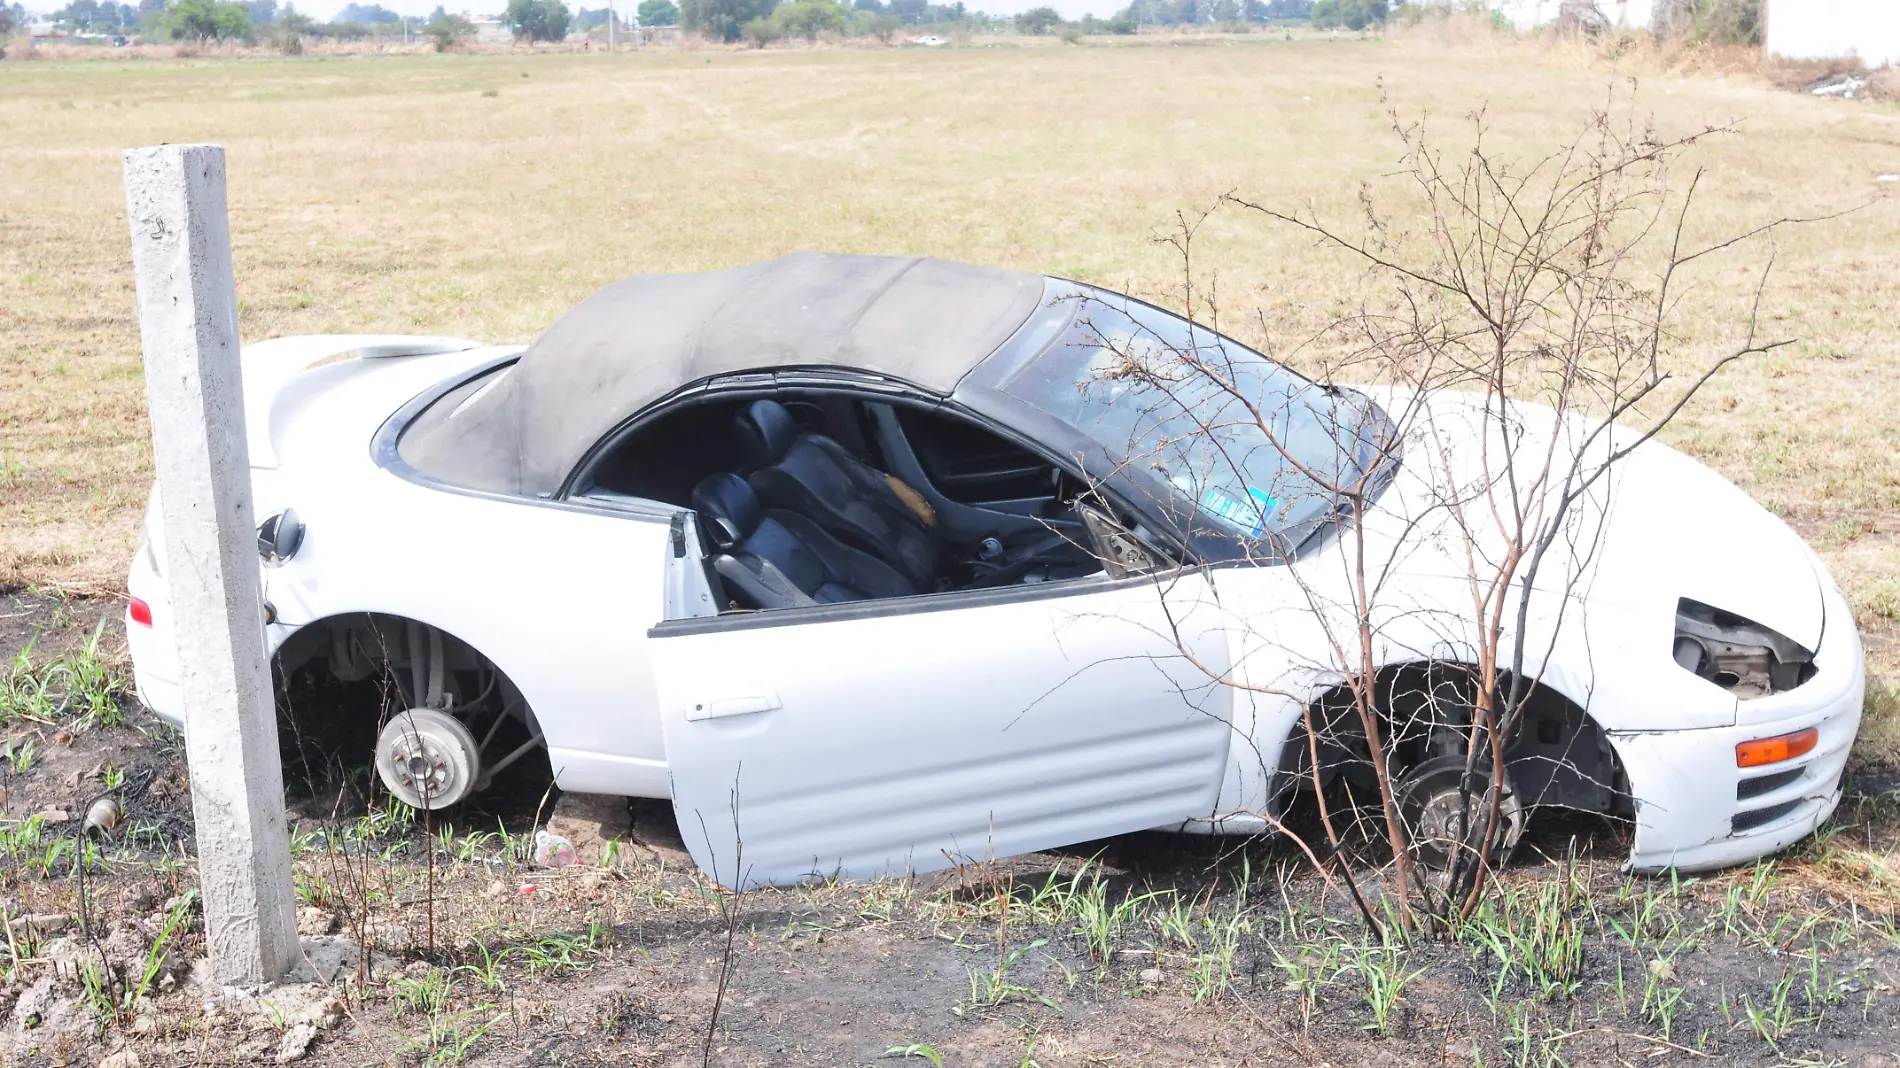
(732,706)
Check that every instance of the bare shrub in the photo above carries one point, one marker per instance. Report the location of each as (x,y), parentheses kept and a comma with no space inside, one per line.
(1506,328)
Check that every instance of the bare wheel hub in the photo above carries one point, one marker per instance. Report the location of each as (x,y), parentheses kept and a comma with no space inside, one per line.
(1446,813)
(427,758)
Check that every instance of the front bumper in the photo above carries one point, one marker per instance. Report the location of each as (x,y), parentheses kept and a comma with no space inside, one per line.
(1696,811)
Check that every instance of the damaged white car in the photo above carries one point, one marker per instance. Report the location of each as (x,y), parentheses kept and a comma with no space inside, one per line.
(845,556)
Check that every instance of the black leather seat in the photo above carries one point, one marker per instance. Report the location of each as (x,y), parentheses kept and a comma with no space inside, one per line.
(777,559)
(815,477)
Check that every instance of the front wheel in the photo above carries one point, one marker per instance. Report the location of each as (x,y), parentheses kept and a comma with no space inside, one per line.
(1445,813)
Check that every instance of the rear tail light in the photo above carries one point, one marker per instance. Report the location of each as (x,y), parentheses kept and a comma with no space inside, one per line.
(139,612)
(1777,749)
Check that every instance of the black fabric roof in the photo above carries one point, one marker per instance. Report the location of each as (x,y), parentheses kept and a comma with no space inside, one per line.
(923,321)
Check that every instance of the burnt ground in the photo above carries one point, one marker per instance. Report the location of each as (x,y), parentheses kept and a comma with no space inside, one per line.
(1141,950)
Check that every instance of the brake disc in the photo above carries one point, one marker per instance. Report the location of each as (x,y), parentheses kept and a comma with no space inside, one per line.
(428,759)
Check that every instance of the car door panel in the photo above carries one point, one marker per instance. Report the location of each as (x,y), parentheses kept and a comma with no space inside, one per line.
(917,733)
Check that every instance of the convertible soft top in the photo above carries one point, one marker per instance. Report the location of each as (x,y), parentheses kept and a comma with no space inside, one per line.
(920,320)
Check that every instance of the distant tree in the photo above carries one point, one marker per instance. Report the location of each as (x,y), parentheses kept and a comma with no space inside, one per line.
(1289,9)
(809,18)
(1224,11)
(763,31)
(659,13)
(722,20)
(538,20)
(873,6)
(93,15)
(367,14)
(1736,22)
(9,23)
(1187,12)
(1038,21)
(1348,14)
(446,31)
(209,20)
(292,21)
(881,26)
(1123,23)
(262,11)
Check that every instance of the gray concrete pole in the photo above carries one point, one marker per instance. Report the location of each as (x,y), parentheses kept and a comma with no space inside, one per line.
(181,255)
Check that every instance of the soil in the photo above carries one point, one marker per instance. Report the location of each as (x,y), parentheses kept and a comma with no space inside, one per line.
(479,957)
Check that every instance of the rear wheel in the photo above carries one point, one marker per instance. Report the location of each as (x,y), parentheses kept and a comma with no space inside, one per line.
(1445,813)
(428,758)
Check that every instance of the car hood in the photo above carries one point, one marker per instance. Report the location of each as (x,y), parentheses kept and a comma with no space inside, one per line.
(1657,527)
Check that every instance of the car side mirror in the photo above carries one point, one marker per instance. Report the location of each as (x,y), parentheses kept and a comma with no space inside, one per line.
(279,537)
(1120,552)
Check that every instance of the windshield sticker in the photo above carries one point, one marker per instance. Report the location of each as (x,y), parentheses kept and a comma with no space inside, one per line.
(1253,511)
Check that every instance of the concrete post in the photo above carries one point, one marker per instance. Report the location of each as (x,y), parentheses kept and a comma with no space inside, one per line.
(181,255)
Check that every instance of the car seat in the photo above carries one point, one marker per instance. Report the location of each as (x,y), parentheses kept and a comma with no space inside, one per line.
(778,559)
(813,476)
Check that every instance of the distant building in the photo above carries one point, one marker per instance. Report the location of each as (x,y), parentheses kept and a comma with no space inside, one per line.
(1868,30)
(492,31)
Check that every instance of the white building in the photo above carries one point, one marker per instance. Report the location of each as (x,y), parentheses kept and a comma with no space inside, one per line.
(492,31)
(1833,29)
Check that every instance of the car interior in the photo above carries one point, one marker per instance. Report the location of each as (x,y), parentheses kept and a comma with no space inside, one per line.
(820,498)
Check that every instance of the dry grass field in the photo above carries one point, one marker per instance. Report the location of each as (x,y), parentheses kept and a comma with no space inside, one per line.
(481,195)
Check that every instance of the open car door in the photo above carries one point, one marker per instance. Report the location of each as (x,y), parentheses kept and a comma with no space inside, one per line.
(912,734)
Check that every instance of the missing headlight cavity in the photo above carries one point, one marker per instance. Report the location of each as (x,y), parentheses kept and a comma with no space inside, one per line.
(1737,654)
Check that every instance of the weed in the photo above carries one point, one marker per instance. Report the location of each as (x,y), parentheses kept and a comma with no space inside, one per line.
(1532,1045)
(1384,973)
(917,1049)
(1661,999)
(1097,921)
(80,684)
(19,754)
(177,921)
(92,689)
(427,993)
(450,1036)
(26,691)
(1309,972)
(1534,932)
(992,986)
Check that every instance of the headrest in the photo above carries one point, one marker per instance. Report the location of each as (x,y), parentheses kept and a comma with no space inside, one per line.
(766,431)
(728,509)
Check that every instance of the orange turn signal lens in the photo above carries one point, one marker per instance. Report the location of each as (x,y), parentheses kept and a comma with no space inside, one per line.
(1775,750)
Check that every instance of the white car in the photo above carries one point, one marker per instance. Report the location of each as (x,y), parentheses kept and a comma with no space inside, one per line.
(844,555)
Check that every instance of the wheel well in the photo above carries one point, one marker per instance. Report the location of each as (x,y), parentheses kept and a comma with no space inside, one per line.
(1556,755)
(339,679)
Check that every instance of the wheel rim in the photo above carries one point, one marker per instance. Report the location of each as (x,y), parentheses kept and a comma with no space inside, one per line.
(427,758)
(1444,821)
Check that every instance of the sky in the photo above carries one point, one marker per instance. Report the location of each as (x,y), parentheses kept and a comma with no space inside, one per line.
(1070,9)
